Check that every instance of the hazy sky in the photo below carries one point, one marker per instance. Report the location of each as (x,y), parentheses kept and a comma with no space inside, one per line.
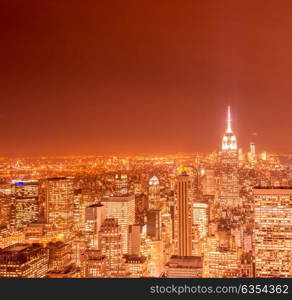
(143,76)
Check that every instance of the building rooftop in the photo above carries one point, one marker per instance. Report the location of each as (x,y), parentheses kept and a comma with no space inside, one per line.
(16,248)
(272,188)
(20,253)
(56,245)
(58,178)
(118,198)
(185,262)
(95,205)
(135,259)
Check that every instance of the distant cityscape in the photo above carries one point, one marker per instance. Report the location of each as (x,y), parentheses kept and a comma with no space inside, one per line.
(225,214)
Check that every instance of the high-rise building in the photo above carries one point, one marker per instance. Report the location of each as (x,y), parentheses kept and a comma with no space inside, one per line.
(25,203)
(111,246)
(79,246)
(70,271)
(240,155)
(273,232)
(5,209)
(59,255)
(209,182)
(95,214)
(184,267)
(264,156)
(79,205)
(184,214)
(154,194)
(121,184)
(253,149)
(229,182)
(59,202)
(24,261)
(229,141)
(222,264)
(135,239)
(137,265)
(122,208)
(251,156)
(25,188)
(154,224)
(94,264)
(200,225)
(222,258)
(155,264)
(8,237)
(201,217)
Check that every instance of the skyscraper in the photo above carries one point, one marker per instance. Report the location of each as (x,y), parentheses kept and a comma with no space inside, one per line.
(95,214)
(59,202)
(273,232)
(229,185)
(154,224)
(137,265)
(208,182)
(252,154)
(183,214)
(24,261)
(200,225)
(59,255)
(135,239)
(184,267)
(253,149)
(79,206)
(122,208)
(94,264)
(121,184)
(25,203)
(154,193)
(5,209)
(111,246)
(229,141)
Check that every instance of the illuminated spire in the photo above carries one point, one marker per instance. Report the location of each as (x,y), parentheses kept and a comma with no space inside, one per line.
(229,130)
(229,139)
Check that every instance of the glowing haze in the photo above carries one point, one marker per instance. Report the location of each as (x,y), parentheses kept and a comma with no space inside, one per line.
(131,77)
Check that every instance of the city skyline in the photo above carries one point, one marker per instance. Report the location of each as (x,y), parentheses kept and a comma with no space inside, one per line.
(147,139)
(148,78)
(226,214)
(228,131)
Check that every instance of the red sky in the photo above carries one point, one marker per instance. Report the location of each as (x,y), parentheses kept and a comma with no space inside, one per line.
(147,76)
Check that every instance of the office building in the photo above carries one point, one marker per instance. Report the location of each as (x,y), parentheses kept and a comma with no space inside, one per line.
(94,264)
(154,224)
(184,214)
(25,203)
(229,180)
(273,232)
(24,261)
(184,267)
(111,247)
(122,208)
(95,214)
(59,202)
(135,239)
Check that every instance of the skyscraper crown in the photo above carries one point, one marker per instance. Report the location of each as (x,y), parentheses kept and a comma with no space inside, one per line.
(229,139)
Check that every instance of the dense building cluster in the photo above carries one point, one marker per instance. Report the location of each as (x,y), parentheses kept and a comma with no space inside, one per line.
(224,214)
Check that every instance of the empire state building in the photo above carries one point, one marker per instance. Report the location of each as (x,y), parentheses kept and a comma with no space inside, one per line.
(229,185)
(229,139)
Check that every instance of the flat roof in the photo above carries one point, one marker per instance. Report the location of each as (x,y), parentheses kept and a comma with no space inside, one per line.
(123,198)
(272,188)
(17,247)
(185,262)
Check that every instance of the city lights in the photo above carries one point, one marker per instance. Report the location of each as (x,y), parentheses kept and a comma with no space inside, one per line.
(219,215)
